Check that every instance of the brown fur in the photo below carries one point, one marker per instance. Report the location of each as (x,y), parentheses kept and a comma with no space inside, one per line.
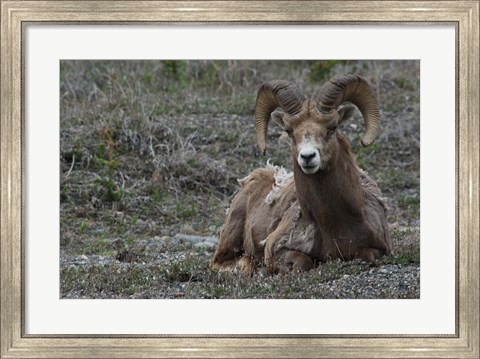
(242,234)
(349,212)
(339,212)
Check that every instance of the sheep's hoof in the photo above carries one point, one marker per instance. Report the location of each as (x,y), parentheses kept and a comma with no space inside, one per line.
(225,265)
(369,255)
(243,264)
(293,261)
(246,265)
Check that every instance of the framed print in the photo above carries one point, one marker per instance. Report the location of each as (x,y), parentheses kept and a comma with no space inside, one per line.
(125,126)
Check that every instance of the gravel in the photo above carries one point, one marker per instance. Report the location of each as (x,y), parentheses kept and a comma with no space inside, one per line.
(388,281)
(333,280)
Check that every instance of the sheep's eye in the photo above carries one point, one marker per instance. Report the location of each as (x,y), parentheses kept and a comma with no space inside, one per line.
(331,131)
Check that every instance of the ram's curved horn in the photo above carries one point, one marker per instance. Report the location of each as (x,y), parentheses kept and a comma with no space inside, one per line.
(273,94)
(355,89)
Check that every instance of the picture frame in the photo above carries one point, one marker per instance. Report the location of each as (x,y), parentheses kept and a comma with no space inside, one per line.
(16,15)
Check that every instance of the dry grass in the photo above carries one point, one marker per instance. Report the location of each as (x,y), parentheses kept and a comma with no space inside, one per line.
(154,148)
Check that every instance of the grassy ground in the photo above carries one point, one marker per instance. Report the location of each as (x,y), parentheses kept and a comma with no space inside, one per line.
(150,149)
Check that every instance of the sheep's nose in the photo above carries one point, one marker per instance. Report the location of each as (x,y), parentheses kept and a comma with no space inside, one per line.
(308,156)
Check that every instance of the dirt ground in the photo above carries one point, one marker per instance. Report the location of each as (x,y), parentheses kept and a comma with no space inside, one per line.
(151,151)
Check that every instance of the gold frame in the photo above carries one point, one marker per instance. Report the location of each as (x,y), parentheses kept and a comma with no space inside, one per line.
(464,344)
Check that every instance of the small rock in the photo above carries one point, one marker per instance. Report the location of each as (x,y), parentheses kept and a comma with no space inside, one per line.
(152,246)
(186,228)
(211,239)
(213,229)
(205,245)
(189,238)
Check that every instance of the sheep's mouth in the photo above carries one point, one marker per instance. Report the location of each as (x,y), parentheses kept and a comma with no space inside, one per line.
(310,169)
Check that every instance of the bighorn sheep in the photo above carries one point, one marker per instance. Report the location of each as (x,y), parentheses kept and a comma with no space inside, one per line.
(328,208)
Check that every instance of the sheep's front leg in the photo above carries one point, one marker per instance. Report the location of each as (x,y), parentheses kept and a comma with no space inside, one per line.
(278,257)
(282,259)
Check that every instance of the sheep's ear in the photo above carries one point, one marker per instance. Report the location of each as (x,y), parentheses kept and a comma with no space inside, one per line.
(277,117)
(346,113)
(284,137)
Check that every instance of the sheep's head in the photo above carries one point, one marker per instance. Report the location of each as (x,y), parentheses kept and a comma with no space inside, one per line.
(312,122)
